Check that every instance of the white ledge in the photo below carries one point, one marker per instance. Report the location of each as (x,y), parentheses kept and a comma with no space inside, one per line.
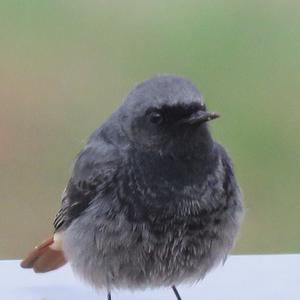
(245,277)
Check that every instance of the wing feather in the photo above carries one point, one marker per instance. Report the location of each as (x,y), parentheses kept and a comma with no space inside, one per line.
(94,168)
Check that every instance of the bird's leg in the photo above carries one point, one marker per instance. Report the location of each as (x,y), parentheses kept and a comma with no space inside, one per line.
(108,295)
(176,292)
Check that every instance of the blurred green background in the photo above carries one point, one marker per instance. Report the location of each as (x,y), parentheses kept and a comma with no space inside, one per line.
(66,65)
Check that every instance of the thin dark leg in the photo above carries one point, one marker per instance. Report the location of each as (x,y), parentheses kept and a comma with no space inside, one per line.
(108,296)
(176,292)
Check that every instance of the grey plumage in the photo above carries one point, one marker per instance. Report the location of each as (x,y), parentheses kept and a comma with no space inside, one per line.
(152,200)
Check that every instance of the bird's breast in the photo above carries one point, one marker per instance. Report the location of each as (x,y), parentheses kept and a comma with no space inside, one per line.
(170,189)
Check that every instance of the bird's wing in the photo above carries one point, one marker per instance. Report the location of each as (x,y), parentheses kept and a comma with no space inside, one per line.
(230,185)
(59,218)
(94,169)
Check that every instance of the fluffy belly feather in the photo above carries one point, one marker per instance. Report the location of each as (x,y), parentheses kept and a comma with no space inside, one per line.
(116,254)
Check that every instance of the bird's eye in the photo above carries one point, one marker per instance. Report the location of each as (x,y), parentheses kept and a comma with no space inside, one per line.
(203,106)
(155,117)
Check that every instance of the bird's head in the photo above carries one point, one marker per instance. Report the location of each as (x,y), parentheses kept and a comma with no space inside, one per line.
(166,113)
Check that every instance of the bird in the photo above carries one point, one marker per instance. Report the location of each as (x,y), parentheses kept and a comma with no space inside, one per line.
(152,200)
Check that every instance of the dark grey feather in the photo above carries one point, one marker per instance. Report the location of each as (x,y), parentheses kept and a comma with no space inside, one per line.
(151,203)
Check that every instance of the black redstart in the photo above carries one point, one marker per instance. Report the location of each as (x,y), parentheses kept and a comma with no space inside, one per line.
(152,200)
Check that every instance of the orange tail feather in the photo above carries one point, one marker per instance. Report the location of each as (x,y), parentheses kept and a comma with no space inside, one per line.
(44,258)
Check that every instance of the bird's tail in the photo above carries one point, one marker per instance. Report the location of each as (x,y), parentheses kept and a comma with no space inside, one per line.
(46,257)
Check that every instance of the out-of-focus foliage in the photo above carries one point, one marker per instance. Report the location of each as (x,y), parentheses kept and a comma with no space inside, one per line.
(66,65)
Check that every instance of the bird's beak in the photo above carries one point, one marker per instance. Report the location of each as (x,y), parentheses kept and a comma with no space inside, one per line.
(200,117)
